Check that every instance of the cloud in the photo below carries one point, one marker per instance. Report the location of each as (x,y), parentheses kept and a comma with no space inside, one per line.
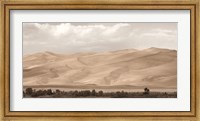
(115,28)
(161,33)
(82,37)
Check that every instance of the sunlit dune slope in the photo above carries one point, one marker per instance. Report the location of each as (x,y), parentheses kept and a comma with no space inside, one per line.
(153,67)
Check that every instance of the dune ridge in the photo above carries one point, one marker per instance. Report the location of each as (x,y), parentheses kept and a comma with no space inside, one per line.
(153,67)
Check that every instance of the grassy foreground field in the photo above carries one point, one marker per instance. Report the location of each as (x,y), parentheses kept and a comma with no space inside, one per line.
(49,93)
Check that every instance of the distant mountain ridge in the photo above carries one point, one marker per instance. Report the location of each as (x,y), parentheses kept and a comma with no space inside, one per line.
(153,67)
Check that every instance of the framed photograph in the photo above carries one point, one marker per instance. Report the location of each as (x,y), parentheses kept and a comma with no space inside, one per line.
(99,60)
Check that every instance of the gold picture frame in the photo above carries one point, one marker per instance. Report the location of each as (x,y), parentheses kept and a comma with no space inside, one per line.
(7,5)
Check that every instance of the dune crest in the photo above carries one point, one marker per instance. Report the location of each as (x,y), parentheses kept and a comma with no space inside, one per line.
(153,67)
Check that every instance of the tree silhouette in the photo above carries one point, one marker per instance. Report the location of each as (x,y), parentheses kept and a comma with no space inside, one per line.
(100,93)
(58,92)
(24,93)
(29,91)
(49,92)
(146,91)
(93,92)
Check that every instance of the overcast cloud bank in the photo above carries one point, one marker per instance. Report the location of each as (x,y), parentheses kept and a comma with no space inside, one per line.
(97,37)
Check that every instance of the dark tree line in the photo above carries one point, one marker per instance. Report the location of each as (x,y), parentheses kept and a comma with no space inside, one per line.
(29,92)
(85,93)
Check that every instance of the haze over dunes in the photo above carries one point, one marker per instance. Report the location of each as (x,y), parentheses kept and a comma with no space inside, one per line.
(152,67)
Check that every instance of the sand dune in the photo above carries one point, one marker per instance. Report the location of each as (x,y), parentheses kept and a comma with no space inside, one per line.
(153,67)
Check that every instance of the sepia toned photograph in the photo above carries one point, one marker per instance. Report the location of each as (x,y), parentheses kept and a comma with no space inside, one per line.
(100,60)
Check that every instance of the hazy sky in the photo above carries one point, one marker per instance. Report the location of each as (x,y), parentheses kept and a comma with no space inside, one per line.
(87,37)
